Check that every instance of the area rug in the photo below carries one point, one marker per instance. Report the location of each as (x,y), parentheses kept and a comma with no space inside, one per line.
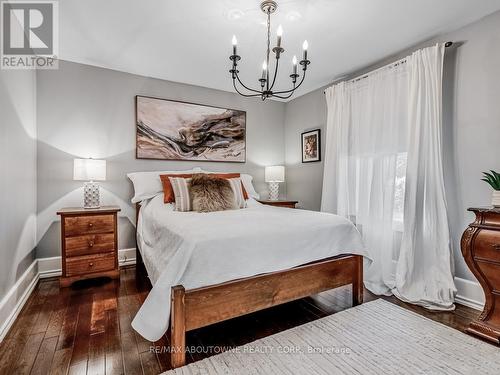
(377,337)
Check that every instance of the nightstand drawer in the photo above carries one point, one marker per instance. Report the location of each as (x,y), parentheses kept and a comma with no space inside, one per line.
(487,245)
(89,244)
(491,272)
(74,226)
(83,265)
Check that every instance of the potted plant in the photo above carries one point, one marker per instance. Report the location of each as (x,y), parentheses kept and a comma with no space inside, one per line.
(493,179)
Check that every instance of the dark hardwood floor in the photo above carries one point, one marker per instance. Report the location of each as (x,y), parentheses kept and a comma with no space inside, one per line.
(86,329)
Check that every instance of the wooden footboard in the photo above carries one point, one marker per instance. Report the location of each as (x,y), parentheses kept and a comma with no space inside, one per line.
(200,307)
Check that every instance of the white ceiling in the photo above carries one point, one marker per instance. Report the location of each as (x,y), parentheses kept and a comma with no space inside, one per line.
(190,41)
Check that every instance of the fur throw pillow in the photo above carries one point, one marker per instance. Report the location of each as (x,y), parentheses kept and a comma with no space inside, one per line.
(210,194)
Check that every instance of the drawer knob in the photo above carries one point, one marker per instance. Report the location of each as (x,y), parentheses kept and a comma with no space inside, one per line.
(91,225)
(91,264)
(91,243)
(496,246)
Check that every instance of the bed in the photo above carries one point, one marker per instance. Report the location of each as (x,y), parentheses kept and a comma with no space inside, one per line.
(210,267)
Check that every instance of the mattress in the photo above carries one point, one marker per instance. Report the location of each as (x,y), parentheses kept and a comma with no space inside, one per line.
(200,249)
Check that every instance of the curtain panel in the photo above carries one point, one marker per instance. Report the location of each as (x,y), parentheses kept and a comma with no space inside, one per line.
(383,171)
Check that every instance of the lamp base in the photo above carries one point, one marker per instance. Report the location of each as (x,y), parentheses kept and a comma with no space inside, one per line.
(274,191)
(91,195)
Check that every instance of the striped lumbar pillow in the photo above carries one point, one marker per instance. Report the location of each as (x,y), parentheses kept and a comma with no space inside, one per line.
(181,187)
(238,191)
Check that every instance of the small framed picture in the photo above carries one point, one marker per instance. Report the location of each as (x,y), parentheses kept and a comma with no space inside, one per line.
(311,146)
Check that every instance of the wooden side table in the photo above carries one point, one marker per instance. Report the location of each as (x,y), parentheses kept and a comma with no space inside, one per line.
(279,203)
(481,250)
(89,243)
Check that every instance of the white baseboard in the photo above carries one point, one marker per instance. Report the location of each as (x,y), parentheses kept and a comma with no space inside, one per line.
(51,267)
(16,297)
(126,257)
(469,293)
(14,300)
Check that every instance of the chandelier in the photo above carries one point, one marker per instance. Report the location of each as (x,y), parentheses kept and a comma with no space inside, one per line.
(266,81)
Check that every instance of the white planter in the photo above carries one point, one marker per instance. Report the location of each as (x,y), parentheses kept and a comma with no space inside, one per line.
(495,198)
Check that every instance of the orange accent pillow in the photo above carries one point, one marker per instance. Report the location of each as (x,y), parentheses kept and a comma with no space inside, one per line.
(168,191)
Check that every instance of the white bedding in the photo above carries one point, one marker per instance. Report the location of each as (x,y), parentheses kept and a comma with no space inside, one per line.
(199,249)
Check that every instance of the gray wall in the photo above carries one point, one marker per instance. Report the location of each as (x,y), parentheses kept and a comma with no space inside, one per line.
(471,106)
(304,180)
(85,111)
(18,175)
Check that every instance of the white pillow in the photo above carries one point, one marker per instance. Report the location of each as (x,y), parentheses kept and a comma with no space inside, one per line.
(148,184)
(236,185)
(247,183)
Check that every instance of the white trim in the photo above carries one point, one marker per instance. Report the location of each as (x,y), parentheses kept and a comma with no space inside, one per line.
(12,303)
(16,297)
(469,293)
(51,267)
(126,257)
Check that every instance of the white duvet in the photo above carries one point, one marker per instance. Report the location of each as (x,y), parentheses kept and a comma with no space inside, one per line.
(199,249)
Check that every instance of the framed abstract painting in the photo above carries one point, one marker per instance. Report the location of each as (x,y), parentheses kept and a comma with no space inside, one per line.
(311,146)
(174,130)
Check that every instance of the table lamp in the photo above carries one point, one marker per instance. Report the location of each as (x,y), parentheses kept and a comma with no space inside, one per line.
(90,170)
(273,176)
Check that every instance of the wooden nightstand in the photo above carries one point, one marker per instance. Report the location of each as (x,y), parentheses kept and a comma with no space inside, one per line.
(279,203)
(89,243)
(481,250)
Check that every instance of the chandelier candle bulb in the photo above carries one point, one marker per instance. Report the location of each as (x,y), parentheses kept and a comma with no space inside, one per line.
(294,62)
(279,33)
(305,45)
(235,42)
(264,70)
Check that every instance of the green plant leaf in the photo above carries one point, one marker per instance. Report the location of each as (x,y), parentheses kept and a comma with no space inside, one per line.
(488,175)
(488,182)
(492,179)
(496,175)
(488,179)
(493,184)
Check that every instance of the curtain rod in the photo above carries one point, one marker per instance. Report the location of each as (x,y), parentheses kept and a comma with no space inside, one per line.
(394,63)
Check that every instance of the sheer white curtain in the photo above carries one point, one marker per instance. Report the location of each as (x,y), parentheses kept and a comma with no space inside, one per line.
(383,130)
(424,270)
(365,139)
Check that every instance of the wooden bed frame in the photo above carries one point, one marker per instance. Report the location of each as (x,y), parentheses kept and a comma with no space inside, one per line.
(200,307)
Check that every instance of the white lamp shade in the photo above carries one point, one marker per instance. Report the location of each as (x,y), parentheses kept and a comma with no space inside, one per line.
(89,170)
(275,173)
